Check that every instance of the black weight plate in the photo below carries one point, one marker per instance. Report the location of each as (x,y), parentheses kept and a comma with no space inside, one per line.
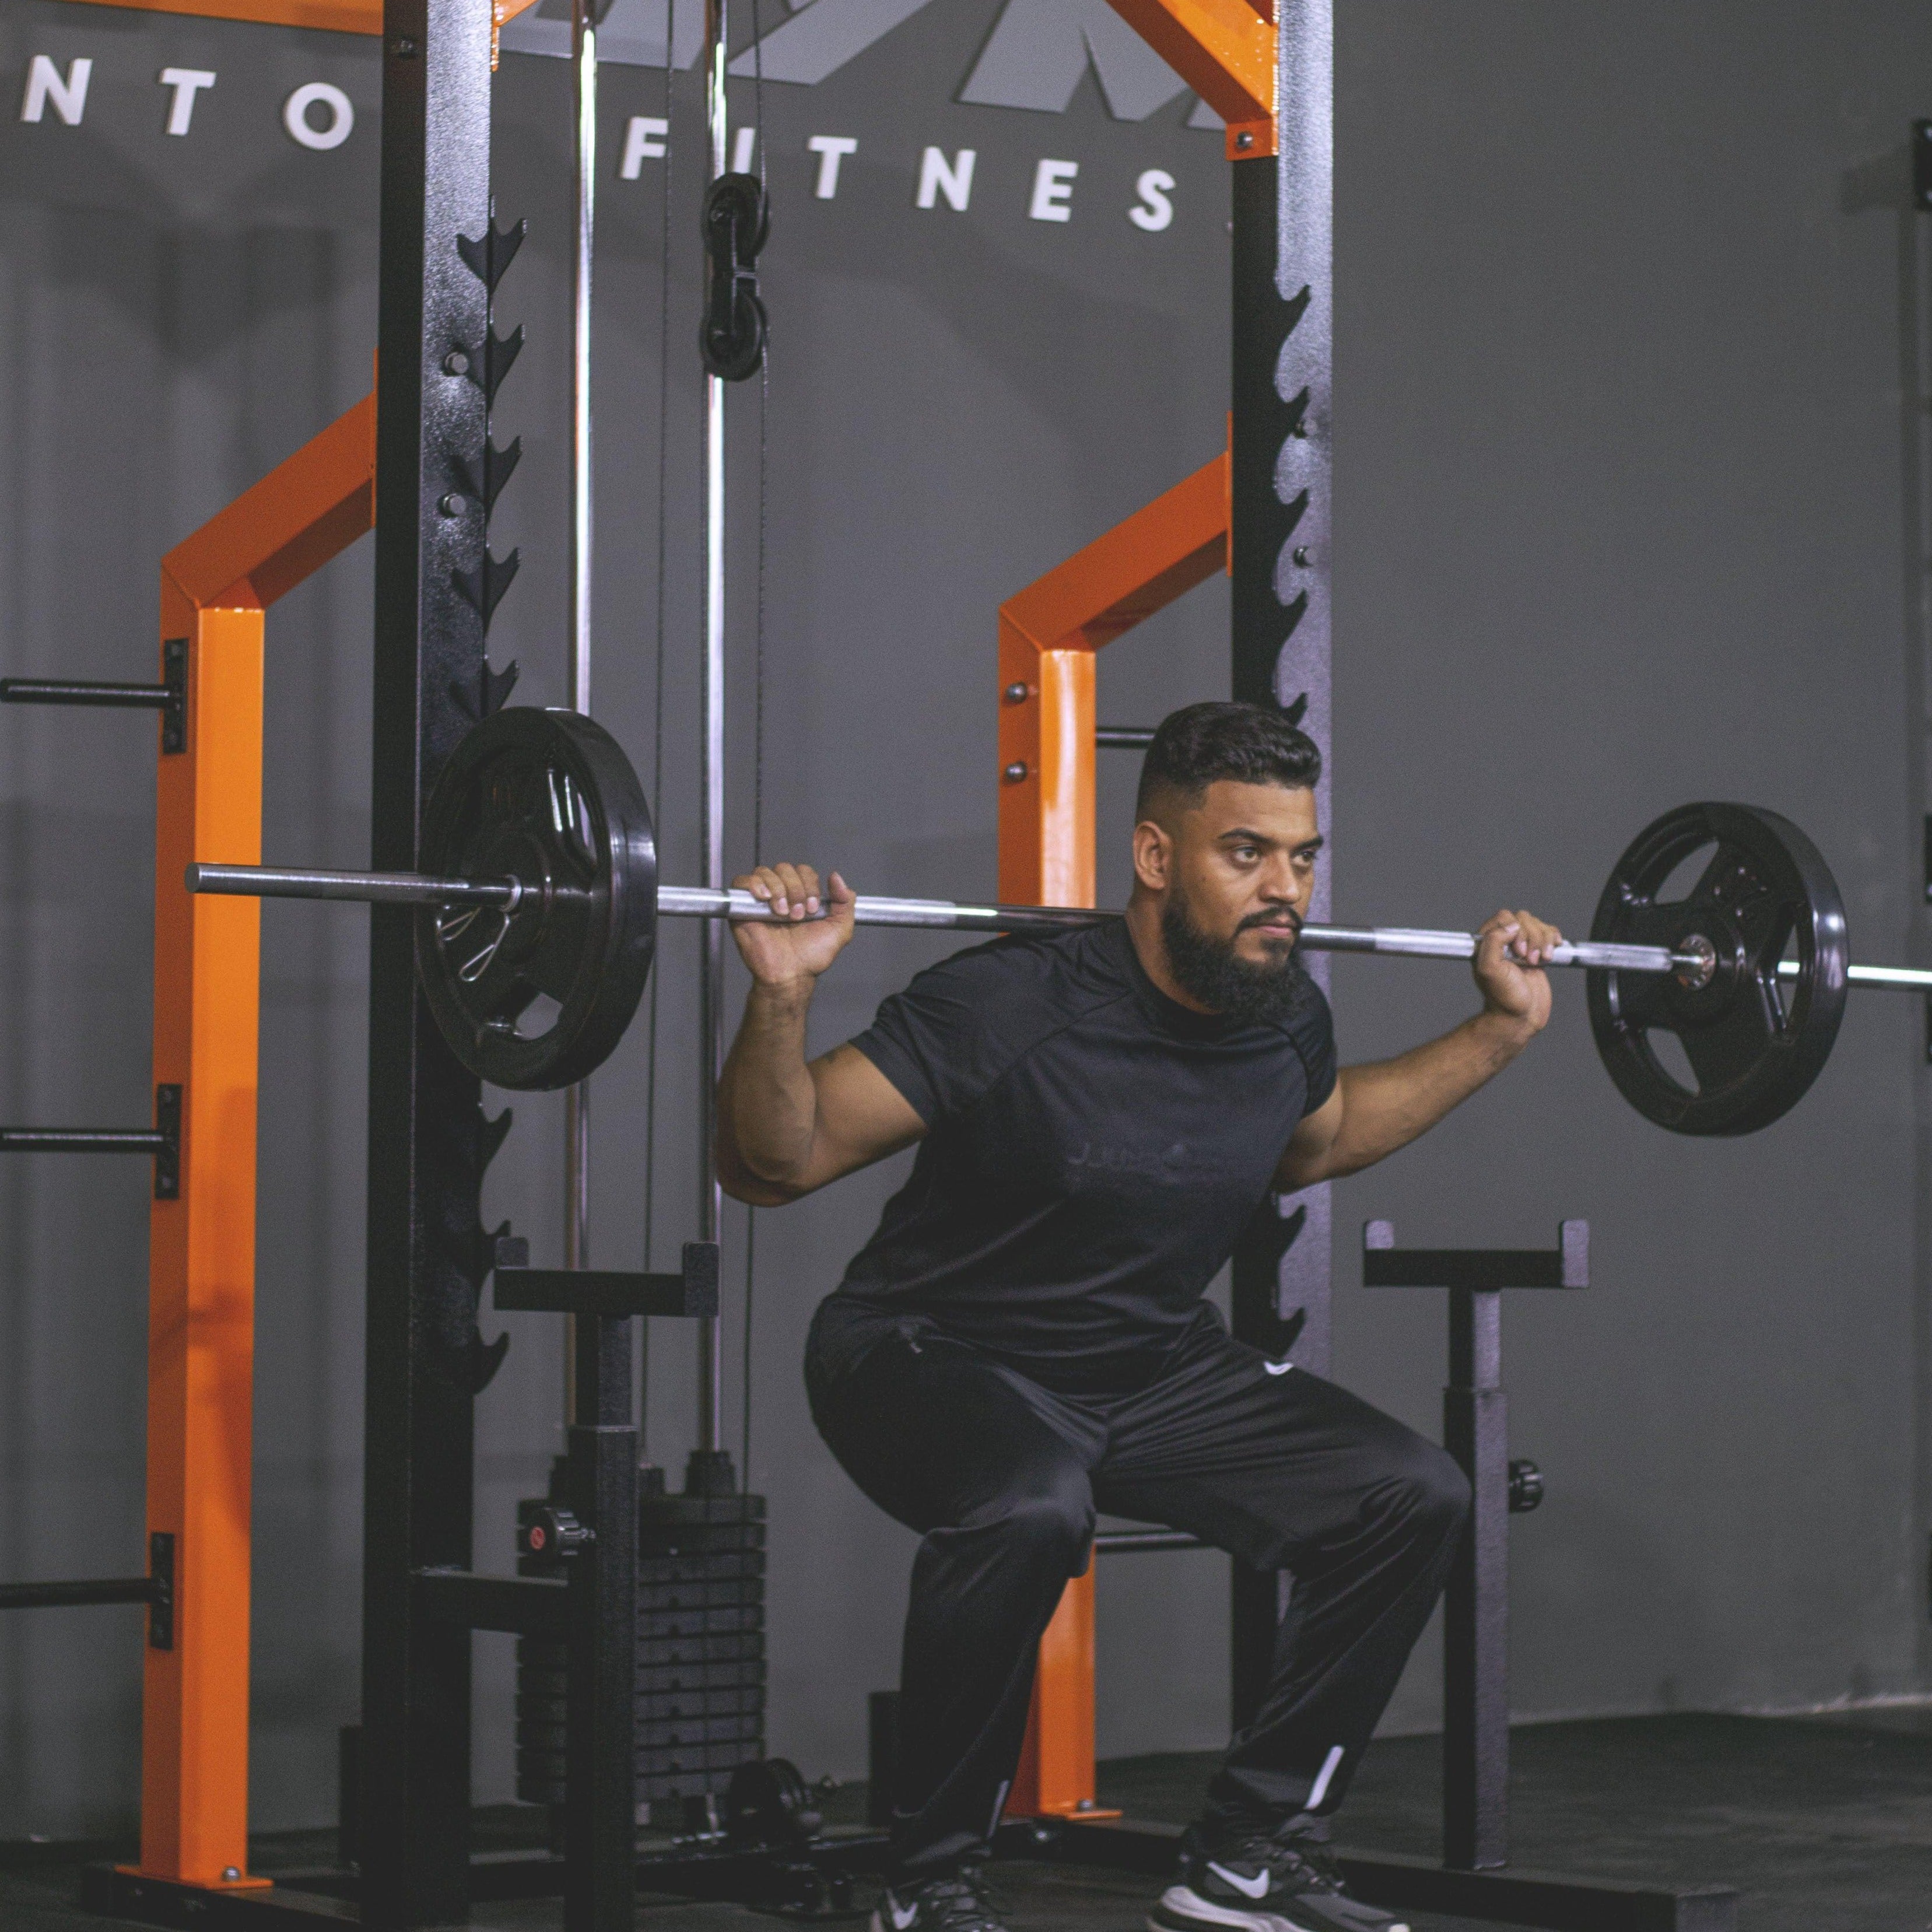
(538,998)
(1755,1041)
(767,1803)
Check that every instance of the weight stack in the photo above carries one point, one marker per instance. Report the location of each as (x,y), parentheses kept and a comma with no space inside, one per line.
(701,1694)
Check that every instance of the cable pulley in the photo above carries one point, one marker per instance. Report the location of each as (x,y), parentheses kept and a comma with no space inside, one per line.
(537,912)
(736,219)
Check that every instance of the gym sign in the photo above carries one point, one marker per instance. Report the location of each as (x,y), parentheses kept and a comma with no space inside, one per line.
(316,115)
(1036,59)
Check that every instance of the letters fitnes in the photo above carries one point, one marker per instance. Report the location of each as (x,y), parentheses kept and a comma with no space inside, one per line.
(321,118)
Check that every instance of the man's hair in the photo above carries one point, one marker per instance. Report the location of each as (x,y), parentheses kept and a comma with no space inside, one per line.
(1252,744)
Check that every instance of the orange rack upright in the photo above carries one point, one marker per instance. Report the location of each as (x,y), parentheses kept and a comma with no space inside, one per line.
(216,589)
(1049,634)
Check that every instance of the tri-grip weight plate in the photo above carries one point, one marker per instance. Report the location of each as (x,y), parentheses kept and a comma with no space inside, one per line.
(536,996)
(1755,1040)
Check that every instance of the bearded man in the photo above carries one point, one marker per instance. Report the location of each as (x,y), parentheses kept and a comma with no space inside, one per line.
(1099,1113)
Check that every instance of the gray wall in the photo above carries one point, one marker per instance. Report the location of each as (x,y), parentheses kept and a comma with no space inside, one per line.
(1630,499)
(1630,512)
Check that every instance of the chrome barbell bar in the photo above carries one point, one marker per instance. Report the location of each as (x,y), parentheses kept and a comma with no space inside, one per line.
(703,902)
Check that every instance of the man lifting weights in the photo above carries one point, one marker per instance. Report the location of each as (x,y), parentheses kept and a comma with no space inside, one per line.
(1099,1113)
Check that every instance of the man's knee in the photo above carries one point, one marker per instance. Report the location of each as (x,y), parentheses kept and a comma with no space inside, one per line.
(1427,1486)
(1051,1518)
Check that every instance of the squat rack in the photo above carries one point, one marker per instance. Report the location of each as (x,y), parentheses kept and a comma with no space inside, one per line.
(1261,510)
(437,583)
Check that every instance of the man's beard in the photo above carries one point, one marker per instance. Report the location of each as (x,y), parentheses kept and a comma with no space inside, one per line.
(1210,971)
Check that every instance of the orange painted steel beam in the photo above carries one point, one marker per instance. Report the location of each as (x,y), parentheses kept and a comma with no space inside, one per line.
(1055,1778)
(201,1328)
(338,16)
(1140,566)
(289,525)
(1224,50)
(1049,634)
(1046,773)
(215,589)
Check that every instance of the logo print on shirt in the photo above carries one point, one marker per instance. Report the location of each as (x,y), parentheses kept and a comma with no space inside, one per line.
(1277,1368)
(903,1915)
(1153,1161)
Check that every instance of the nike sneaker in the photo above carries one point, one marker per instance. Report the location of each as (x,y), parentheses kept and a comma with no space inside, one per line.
(961,1902)
(1261,1877)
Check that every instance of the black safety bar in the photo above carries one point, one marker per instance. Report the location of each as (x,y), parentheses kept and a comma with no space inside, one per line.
(1134,1542)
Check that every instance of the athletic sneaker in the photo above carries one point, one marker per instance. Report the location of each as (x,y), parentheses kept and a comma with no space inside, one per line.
(1260,1877)
(961,1902)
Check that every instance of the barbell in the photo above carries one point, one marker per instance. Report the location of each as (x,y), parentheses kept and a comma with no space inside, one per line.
(538,905)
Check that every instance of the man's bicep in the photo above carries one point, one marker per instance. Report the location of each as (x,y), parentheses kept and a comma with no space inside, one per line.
(861,1116)
(1308,1147)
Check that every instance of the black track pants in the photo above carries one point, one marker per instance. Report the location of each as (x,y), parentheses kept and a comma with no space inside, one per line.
(1002,1478)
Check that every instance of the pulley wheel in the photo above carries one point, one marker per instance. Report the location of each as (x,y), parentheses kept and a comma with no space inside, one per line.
(1755,1038)
(536,996)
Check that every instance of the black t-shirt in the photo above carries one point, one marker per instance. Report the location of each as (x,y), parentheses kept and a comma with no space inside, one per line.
(1093,1152)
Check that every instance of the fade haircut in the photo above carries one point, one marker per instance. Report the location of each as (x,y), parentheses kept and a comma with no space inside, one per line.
(1252,744)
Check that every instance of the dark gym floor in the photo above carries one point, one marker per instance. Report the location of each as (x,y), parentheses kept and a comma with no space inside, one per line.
(1825,1824)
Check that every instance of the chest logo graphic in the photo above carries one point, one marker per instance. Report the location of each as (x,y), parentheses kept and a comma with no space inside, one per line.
(1129,1160)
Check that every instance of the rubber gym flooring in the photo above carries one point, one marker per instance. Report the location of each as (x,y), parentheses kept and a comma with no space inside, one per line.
(1824,1825)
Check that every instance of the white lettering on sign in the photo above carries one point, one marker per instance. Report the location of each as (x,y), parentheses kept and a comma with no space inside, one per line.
(321,117)
(1153,212)
(186,82)
(953,178)
(1053,190)
(44,84)
(341,112)
(831,149)
(644,140)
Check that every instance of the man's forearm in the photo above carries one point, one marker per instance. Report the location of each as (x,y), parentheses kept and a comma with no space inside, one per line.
(1386,1104)
(767,1104)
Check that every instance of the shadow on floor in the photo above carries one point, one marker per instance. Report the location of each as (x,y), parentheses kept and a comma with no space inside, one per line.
(1821,1823)
(1824,1824)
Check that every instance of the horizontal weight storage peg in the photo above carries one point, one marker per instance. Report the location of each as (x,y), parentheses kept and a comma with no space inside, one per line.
(162,1142)
(538,904)
(169,697)
(156,1590)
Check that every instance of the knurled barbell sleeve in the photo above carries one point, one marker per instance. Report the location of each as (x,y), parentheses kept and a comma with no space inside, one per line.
(271,882)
